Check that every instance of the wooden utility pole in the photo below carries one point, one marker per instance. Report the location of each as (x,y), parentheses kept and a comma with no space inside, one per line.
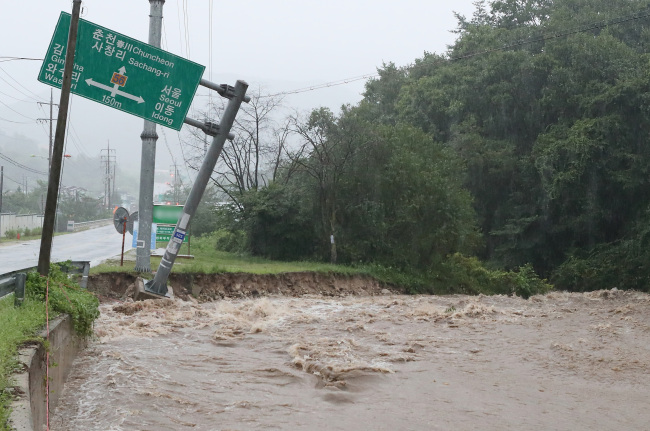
(2,178)
(57,150)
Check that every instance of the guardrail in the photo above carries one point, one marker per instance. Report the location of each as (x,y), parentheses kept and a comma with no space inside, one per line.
(89,224)
(14,282)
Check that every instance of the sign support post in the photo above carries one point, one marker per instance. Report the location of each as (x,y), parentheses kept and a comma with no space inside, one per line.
(148,159)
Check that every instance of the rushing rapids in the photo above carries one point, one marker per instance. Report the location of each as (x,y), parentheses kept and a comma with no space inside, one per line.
(559,361)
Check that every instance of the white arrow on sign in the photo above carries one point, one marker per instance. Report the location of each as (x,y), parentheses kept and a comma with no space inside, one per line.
(114,90)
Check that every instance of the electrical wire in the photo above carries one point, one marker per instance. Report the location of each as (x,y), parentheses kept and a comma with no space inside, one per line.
(543,38)
(11,109)
(210,13)
(15,122)
(163,43)
(4,58)
(180,33)
(180,144)
(15,98)
(21,166)
(76,140)
(36,97)
(186,15)
(12,180)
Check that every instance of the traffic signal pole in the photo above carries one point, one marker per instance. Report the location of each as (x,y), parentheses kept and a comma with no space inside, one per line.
(148,159)
(236,95)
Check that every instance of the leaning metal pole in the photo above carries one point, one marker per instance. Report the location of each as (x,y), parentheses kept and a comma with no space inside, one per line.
(148,160)
(57,151)
(159,284)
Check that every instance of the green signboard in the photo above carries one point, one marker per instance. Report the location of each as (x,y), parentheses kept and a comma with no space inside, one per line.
(167,214)
(123,73)
(166,217)
(167,237)
(165,230)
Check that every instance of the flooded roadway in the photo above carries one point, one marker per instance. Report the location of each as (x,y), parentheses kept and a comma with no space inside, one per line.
(560,361)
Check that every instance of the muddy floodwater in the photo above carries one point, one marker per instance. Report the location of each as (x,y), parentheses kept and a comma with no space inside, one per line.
(556,362)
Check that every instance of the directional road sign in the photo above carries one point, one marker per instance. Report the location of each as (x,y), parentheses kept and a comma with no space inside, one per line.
(167,214)
(123,73)
(164,233)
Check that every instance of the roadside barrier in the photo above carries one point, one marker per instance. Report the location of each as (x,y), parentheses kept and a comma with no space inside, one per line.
(14,282)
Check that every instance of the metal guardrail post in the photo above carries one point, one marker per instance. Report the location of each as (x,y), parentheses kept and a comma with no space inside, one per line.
(14,283)
(84,275)
(19,293)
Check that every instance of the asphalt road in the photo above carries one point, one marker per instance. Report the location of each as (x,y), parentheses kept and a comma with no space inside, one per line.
(94,245)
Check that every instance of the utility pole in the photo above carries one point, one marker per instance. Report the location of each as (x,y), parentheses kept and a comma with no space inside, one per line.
(148,159)
(51,120)
(57,149)
(175,185)
(2,180)
(109,174)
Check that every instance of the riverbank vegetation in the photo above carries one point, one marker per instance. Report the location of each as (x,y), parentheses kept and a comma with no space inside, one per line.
(21,325)
(523,149)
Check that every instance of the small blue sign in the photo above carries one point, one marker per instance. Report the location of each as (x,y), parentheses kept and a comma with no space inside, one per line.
(179,236)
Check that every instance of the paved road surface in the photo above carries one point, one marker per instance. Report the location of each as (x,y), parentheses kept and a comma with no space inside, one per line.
(95,245)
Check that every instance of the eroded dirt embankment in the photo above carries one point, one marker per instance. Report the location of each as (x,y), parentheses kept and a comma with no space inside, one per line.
(210,287)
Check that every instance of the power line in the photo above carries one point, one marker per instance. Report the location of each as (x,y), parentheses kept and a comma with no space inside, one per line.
(4,58)
(36,99)
(163,43)
(15,98)
(551,36)
(16,122)
(20,165)
(11,109)
(180,33)
(11,179)
(186,16)
(210,10)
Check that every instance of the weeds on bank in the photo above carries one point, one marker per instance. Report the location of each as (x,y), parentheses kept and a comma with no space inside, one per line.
(20,325)
(17,325)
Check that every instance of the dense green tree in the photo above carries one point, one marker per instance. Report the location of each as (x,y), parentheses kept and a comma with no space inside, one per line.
(546,104)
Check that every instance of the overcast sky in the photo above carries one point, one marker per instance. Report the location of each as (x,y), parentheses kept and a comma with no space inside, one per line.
(278,45)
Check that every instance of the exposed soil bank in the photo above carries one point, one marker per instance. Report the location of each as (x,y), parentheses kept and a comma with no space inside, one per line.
(209,287)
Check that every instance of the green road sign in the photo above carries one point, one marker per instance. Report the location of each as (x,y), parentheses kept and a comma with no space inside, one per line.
(165,229)
(164,233)
(123,73)
(166,217)
(167,214)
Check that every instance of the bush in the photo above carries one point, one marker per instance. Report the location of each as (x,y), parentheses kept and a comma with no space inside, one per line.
(461,274)
(11,233)
(230,241)
(65,297)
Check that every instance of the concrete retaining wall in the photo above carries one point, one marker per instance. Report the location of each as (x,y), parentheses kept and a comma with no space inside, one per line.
(29,411)
(19,221)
